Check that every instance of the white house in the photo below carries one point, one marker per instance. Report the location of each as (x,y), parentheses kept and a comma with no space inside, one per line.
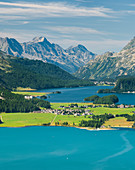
(28,97)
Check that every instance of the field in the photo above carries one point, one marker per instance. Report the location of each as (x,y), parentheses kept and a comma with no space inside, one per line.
(119,122)
(24,89)
(70,119)
(114,111)
(35,94)
(29,119)
(25,119)
(98,110)
(37,119)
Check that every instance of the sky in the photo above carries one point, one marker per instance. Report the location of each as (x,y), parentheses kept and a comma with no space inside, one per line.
(100,25)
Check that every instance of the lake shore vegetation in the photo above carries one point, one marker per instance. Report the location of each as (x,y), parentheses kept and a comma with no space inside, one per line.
(111,99)
(123,85)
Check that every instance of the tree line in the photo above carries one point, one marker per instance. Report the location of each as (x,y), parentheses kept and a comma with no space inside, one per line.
(97,121)
(123,84)
(111,99)
(36,74)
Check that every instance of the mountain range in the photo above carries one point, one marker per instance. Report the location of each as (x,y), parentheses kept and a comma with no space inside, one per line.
(78,59)
(110,65)
(41,49)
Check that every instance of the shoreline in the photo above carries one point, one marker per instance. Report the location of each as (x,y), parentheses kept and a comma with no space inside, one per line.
(81,128)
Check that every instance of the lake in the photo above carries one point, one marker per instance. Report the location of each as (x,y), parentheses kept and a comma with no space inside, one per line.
(79,93)
(66,148)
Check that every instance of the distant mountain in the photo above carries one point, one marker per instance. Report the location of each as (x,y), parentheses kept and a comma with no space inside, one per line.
(110,65)
(19,72)
(41,49)
(11,46)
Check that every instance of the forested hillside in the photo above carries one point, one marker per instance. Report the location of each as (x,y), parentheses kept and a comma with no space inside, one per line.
(125,84)
(10,102)
(18,72)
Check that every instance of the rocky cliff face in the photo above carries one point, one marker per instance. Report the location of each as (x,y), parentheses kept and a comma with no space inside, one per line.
(11,46)
(41,49)
(110,65)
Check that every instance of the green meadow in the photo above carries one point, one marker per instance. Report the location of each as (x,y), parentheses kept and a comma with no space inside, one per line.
(70,119)
(98,110)
(114,111)
(38,119)
(25,119)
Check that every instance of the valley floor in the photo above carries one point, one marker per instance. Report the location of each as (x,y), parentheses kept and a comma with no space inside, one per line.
(40,119)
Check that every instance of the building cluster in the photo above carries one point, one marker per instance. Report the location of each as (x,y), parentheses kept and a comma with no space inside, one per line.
(75,112)
(80,107)
(104,83)
(125,106)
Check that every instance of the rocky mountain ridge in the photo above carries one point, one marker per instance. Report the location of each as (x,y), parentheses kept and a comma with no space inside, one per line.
(110,65)
(41,49)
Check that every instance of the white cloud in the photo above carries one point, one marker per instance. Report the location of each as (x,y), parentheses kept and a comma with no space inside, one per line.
(53,10)
(74,30)
(83,1)
(59,9)
(11,17)
(25,22)
(133,5)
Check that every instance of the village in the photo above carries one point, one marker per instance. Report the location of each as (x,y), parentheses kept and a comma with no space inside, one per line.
(75,112)
(74,109)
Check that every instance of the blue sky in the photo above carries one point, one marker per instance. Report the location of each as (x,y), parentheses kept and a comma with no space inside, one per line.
(100,25)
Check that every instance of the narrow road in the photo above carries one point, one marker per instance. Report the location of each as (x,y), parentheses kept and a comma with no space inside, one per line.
(53,120)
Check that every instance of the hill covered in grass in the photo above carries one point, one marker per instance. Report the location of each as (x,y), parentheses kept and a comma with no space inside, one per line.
(18,72)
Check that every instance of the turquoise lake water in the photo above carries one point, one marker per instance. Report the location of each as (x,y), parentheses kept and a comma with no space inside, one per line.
(67,148)
(62,148)
(79,93)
